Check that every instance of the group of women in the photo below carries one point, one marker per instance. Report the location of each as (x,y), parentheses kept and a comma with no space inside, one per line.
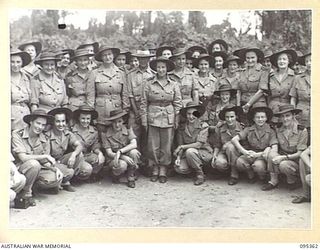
(77,113)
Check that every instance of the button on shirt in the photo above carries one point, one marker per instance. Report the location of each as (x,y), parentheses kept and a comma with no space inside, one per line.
(22,143)
(59,144)
(48,95)
(20,99)
(259,142)
(187,84)
(88,137)
(160,103)
(295,141)
(249,84)
(115,140)
(224,134)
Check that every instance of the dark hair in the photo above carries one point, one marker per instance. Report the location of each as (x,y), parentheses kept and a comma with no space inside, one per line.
(289,58)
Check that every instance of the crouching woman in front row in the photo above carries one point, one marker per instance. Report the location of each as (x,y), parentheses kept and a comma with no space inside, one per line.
(261,138)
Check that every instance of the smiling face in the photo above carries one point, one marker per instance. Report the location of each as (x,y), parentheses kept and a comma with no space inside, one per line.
(191,115)
(260,118)
(225,96)
(48,67)
(60,122)
(64,60)
(38,125)
(15,63)
(82,62)
(134,62)
(84,120)
(251,59)
(31,50)
(230,118)
(180,61)
(204,66)
(233,66)
(218,62)
(107,56)
(283,61)
(161,69)
(118,124)
(120,60)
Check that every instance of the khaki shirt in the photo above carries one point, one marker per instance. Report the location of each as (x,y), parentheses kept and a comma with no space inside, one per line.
(20,100)
(259,142)
(21,143)
(224,134)
(160,104)
(89,138)
(196,132)
(48,95)
(77,88)
(59,146)
(107,91)
(136,80)
(116,140)
(216,74)
(249,84)
(279,91)
(187,83)
(296,140)
(31,70)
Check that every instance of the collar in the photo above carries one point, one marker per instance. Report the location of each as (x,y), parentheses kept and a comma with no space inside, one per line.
(155,80)
(26,135)
(110,132)
(258,67)
(75,128)
(52,135)
(225,128)
(294,130)
(265,128)
(147,70)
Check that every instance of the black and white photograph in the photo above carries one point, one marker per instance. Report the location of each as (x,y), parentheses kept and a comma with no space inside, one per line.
(160,119)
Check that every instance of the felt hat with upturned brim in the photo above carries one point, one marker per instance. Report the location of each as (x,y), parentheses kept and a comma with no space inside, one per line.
(287,108)
(103,48)
(259,53)
(267,54)
(200,109)
(64,52)
(81,52)
(169,63)
(85,109)
(68,113)
(163,48)
(232,58)
(178,52)
(38,113)
(291,52)
(142,54)
(259,107)
(238,52)
(25,57)
(116,114)
(225,87)
(37,45)
(94,44)
(127,55)
(203,57)
(302,60)
(218,41)
(197,48)
(230,107)
(47,56)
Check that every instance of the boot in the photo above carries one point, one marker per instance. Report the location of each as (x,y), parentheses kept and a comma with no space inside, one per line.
(199,177)
(131,177)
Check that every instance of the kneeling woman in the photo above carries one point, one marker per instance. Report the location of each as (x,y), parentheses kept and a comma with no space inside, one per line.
(120,145)
(293,140)
(261,138)
(194,150)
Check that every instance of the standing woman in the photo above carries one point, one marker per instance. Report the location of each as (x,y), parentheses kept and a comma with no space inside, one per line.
(218,45)
(33,49)
(77,80)
(196,51)
(64,57)
(281,79)
(20,89)
(122,61)
(300,92)
(165,51)
(253,79)
(160,105)
(107,88)
(207,83)
(48,90)
(184,77)
(219,57)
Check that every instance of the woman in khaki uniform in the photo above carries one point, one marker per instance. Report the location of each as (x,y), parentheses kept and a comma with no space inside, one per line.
(33,49)
(88,136)
(107,88)
(193,151)
(254,78)
(301,92)
(285,157)
(48,89)
(164,51)
(196,51)
(31,149)
(281,79)
(207,83)
(185,77)
(63,65)
(20,89)
(122,61)
(219,57)
(218,45)
(77,80)
(160,106)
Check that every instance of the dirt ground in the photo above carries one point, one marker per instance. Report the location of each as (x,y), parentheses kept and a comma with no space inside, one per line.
(177,203)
